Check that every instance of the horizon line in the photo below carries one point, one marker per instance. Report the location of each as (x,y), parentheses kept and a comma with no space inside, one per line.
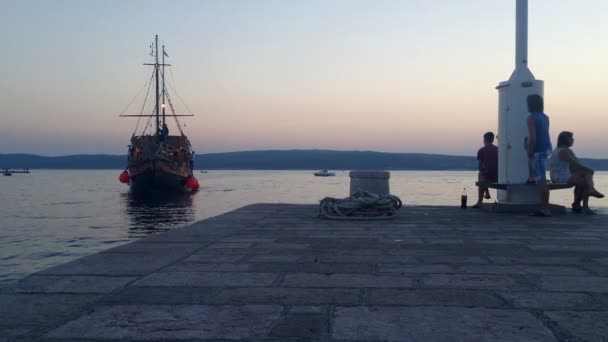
(267,150)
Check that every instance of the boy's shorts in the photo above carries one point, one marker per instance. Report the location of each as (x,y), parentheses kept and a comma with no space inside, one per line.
(537,161)
(485,181)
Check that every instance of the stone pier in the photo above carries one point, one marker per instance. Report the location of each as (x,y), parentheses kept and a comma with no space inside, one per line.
(275,272)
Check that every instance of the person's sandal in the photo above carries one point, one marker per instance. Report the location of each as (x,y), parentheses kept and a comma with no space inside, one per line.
(596,194)
(540,214)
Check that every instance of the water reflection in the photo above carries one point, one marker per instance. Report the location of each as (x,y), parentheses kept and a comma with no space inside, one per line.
(154,213)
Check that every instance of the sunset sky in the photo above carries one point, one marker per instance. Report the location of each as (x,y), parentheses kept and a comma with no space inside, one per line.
(393,76)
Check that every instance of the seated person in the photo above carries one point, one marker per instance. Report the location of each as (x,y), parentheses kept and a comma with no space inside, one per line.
(565,167)
(487,163)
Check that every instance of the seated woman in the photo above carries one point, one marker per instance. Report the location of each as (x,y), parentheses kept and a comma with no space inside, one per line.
(565,167)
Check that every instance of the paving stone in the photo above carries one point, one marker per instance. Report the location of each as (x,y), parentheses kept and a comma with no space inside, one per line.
(573,284)
(198,267)
(453,259)
(179,249)
(523,269)
(19,333)
(203,234)
(496,241)
(437,324)
(548,300)
(402,241)
(499,249)
(431,251)
(247,239)
(436,241)
(298,325)
(149,322)
(72,284)
(113,264)
(450,297)
(369,259)
(566,237)
(309,309)
(599,301)
(582,248)
(303,253)
(585,326)
(345,280)
(160,295)
(403,269)
(230,245)
(362,252)
(17,310)
(312,268)
(282,245)
(276,258)
(482,282)
(597,270)
(537,260)
(286,295)
(212,258)
(207,279)
(589,233)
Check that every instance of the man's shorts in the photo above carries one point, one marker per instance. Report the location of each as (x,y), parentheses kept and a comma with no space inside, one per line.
(484,181)
(537,161)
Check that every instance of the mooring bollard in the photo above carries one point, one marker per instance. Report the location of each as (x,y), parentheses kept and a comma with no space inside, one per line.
(371,181)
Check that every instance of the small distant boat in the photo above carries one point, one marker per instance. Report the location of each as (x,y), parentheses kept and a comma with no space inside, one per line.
(9,172)
(203,171)
(324,173)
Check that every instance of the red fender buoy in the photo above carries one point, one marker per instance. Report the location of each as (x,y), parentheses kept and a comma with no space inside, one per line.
(192,183)
(124,177)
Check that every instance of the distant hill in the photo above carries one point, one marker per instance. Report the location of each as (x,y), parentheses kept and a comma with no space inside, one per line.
(334,160)
(273,160)
(77,161)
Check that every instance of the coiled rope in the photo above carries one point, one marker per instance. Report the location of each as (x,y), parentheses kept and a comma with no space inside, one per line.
(360,206)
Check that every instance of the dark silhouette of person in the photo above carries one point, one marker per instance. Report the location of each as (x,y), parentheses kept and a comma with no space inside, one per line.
(487,163)
(164,133)
(539,148)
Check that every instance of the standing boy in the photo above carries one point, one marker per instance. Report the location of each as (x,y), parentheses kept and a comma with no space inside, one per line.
(487,163)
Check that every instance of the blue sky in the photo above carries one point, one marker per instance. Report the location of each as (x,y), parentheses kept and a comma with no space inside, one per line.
(396,76)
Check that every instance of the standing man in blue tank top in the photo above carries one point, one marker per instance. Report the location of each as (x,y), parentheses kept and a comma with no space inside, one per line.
(539,148)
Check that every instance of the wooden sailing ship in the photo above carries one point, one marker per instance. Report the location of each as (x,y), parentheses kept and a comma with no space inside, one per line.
(158,161)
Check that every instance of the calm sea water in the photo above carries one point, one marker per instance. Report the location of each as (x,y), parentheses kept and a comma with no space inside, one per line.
(50,217)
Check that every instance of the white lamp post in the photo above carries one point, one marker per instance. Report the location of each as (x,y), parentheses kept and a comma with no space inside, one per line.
(512,116)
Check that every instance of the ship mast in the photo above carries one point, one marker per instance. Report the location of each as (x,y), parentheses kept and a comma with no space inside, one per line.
(163,99)
(156,69)
(161,94)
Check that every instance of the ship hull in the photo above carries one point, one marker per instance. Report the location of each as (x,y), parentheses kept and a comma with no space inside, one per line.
(152,179)
(154,175)
(160,166)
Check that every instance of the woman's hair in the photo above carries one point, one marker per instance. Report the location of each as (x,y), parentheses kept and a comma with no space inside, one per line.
(563,139)
(535,103)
